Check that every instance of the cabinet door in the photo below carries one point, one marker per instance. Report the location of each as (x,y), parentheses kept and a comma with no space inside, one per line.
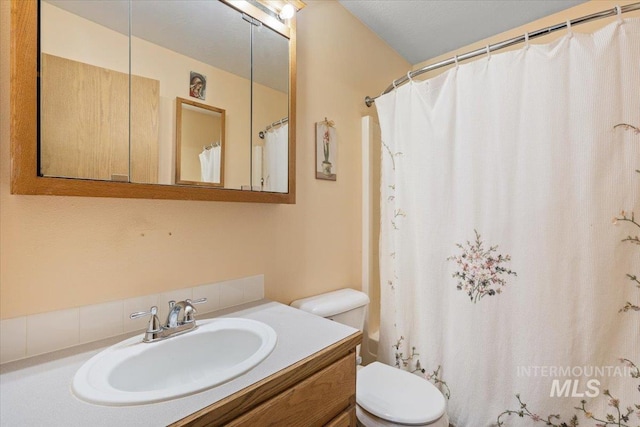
(98,123)
(315,401)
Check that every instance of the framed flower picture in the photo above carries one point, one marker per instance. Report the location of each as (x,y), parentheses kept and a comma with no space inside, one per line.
(326,151)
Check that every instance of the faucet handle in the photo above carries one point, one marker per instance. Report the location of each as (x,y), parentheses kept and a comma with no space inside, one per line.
(195,301)
(189,310)
(172,303)
(154,322)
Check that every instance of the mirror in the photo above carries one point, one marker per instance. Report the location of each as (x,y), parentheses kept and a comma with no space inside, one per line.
(270,119)
(199,144)
(117,76)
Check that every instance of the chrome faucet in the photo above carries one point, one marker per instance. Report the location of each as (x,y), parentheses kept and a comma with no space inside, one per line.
(186,307)
(174,325)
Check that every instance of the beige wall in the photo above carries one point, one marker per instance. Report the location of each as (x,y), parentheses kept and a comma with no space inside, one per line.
(319,244)
(61,252)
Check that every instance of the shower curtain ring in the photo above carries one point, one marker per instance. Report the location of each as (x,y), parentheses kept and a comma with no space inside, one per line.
(394,85)
(488,49)
(526,41)
(409,76)
(455,58)
(619,13)
(569,30)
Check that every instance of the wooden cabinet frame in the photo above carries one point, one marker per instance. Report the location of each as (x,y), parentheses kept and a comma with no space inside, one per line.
(282,382)
(24,131)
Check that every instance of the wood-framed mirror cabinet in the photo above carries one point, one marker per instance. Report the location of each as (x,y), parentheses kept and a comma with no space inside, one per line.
(26,176)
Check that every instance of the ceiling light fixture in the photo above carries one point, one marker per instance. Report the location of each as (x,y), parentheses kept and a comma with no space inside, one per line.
(287,11)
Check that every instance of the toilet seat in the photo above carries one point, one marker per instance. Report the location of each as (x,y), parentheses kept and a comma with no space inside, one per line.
(398,396)
(365,419)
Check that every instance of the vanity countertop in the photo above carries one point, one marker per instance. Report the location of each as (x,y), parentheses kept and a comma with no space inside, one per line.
(37,391)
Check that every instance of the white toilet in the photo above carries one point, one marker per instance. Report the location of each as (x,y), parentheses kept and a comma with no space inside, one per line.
(385,396)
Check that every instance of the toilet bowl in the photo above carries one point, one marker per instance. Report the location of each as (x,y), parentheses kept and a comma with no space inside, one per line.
(388,396)
(385,396)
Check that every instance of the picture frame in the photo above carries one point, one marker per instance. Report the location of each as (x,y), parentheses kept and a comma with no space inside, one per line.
(197,85)
(326,151)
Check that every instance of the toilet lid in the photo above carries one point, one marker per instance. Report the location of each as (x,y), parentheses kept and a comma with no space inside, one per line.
(398,396)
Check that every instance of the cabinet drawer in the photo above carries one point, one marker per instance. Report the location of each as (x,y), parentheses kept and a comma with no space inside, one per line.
(346,419)
(312,402)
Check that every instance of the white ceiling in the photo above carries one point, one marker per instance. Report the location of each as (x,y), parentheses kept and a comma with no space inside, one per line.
(423,29)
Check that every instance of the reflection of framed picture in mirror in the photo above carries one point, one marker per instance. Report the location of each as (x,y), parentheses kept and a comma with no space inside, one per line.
(326,151)
(200,134)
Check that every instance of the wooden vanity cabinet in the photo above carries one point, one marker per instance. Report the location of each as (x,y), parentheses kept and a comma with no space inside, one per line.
(317,391)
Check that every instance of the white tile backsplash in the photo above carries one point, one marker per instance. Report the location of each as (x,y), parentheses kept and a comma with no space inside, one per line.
(231,293)
(101,320)
(41,333)
(13,339)
(253,288)
(211,293)
(52,331)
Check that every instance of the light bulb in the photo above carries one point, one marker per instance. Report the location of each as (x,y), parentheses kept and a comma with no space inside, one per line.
(287,11)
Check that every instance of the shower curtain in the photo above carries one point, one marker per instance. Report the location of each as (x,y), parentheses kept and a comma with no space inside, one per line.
(276,159)
(507,249)
(210,164)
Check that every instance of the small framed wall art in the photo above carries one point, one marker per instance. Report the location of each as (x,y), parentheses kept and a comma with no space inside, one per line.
(197,85)
(326,150)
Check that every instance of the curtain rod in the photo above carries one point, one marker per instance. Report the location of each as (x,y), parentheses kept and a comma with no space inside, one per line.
(272,125)
(503,44)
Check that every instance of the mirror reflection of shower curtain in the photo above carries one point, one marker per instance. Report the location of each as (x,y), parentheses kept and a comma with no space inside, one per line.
(256,167)
(210,165)
(276,159)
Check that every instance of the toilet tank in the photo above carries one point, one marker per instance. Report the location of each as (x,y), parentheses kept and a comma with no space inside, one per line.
(346,306)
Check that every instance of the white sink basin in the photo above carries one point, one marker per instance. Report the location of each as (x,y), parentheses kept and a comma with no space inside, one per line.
(132,372)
